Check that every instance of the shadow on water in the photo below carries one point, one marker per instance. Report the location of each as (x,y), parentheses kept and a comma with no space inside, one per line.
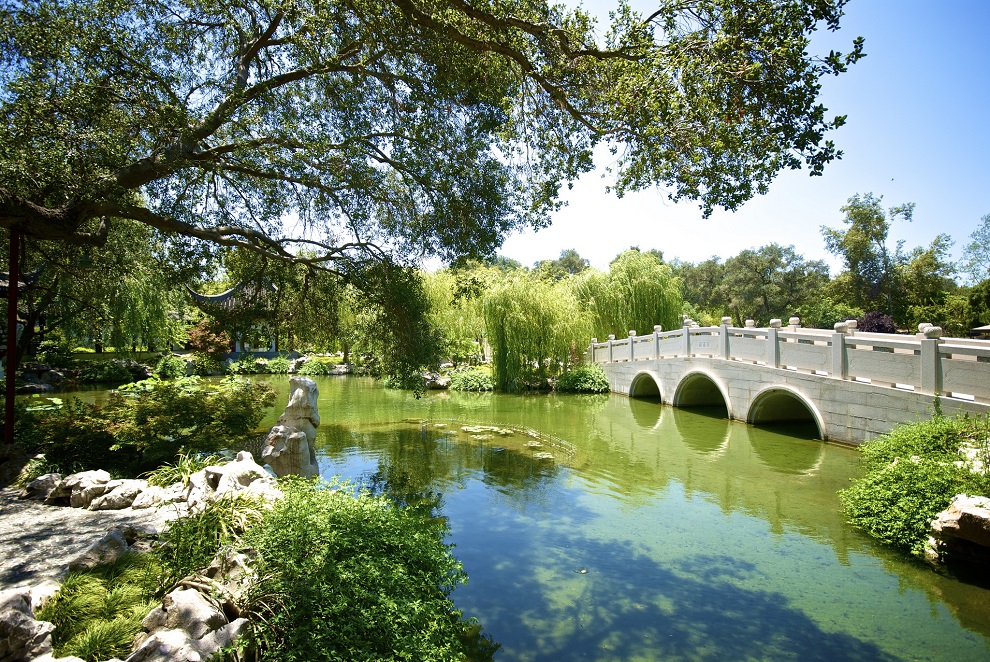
(691,610)
(705,429)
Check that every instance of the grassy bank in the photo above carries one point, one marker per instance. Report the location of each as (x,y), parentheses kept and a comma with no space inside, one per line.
(341,576)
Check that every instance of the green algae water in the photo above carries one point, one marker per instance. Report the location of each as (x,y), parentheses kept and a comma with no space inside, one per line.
(609,528)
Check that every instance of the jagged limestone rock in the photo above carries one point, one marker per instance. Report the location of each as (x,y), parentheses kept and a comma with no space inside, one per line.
(961,532)
(290,448)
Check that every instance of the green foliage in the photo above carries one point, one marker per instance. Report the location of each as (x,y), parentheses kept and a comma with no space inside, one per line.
(317,366)
(35,467)
(113,371)
(171,367)
(869,262)
(638,292)
(584,379)
(976,254)
(414,382)
(395,329)
(150,422)
(247,365)
(568,264)
(279,366)
(912,473)
(98,612)
(56,353)
(473,145)
(205,365)
(454,308)
(185,465)
(356,578)
(532,324)
(771,282)
(190,543)
(472,379)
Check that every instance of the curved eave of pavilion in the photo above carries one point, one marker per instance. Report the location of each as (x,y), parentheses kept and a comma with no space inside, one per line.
(226,300)
(26,281)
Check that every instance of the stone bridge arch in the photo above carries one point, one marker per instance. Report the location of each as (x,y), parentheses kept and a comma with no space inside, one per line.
(782,404)
(702,389)
(646,386)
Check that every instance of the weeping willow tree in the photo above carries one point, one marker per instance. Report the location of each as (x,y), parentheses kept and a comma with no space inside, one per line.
(532,325)
(455,310)
(122,294)
(638,292)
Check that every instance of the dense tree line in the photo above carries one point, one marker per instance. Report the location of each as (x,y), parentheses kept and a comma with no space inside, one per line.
(530,323)
(878,275)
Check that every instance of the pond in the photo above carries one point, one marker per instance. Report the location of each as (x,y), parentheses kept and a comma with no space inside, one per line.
(609,528)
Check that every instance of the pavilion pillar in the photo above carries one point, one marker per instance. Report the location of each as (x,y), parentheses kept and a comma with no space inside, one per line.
(8,414)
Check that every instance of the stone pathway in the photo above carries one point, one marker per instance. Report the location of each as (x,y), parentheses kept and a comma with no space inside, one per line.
(38,541)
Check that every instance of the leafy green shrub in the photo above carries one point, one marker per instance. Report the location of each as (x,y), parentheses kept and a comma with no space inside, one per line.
(56,353)
(912,473)
(473,379)
(205,365)
(279,366)
(114,371)
(356,578)
(584,379)
(171,367)
(149,422)
(317,367)
(247,365)
(97,612)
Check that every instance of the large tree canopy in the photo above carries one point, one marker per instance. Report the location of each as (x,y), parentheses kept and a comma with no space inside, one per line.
(365,128)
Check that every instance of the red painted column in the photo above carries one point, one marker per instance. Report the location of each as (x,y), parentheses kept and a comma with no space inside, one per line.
(8,415)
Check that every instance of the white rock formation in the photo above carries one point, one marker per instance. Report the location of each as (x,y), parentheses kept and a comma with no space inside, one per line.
(290,447)
(961,531)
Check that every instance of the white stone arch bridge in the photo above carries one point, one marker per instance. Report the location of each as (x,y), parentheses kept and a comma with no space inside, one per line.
(852,385)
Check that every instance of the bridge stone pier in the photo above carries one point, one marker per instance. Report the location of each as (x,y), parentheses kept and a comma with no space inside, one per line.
(852,385)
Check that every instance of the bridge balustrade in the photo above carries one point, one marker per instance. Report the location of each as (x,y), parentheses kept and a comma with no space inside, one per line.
(954,367)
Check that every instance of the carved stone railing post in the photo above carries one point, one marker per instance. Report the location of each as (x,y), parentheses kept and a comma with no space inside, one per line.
(611,340)
(632,345)
(931,362)
(839,363)
(686,331)
(656,341)
(723,338)
(773,348)
(594,359)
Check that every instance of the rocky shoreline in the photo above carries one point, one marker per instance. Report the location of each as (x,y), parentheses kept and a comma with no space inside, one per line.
(41,541)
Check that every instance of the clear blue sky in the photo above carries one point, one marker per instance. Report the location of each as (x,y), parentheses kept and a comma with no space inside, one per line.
(918,108)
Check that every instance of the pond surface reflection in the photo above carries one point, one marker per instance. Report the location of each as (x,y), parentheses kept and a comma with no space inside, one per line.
(608,528)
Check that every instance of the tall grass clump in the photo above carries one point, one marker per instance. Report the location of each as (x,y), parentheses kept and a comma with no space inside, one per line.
(638,292)
(912,474)
(98,612)
(532,326)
